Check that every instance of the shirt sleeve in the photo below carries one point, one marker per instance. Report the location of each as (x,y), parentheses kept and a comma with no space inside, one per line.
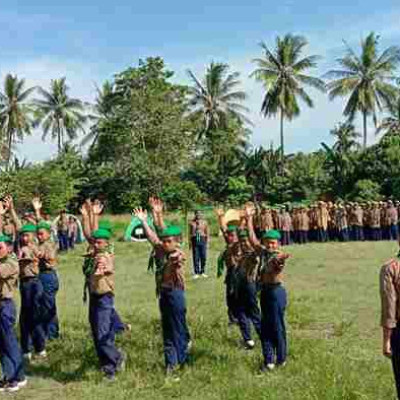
(8,270)
(388,296)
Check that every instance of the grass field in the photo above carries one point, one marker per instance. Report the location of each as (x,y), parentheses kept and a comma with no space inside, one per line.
(333,328)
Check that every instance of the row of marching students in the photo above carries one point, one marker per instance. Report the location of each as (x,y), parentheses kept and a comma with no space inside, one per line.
(33,269)
(253,266)
(99,271)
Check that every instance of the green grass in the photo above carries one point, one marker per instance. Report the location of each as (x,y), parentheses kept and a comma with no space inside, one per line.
(333,329)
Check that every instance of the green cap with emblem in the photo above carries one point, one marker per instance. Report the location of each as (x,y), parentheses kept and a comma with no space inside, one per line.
(5,239)
(171,231)
(101,234)
(44,225)
(232,228)
(243,233)
(272,234)
(28,228)
(105,224)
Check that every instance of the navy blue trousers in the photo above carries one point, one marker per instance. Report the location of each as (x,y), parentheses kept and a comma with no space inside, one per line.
(303,237)
(344,235)
(102,323)
(322,235)
(33,335)
(231,297)
(273,332)
(286,240)
(395,343)
(11,357)
(394,232)
(199,250)
(248,311)
(62,240)
(50,285)
(175,331)
(357,233)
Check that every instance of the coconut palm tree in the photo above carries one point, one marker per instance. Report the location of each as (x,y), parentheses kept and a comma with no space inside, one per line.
(216,98)
(102,111)
(366,80)
(283,73)
(390,125)
(59,114)
(15,114)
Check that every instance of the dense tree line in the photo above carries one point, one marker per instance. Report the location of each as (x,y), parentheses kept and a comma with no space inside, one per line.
(146,134)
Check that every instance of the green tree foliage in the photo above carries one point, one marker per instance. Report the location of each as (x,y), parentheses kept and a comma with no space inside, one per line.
(283,73)
(216,100)
(366,79)
(366,190)
(15,114)
(239,191)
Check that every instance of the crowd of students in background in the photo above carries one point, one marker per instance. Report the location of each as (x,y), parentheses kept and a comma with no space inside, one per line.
(328,221)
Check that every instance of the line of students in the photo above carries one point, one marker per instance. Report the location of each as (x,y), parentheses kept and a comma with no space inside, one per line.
(34,268)
(253,266)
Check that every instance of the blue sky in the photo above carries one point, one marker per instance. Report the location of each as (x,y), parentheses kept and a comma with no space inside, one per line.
(89,41)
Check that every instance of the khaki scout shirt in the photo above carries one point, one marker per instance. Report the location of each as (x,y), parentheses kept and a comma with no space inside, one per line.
(389,291)
(173,272)
(357,217)
(393,216)
(304,221)
(267,222)
(48,255)
(322,218)
(249,262)
(9,272)
(102,280)
(232,256)
(28,262)
(271,270)
(199,226)
(375,218)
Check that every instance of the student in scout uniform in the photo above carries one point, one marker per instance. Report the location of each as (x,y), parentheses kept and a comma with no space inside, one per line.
(171,293)
(341,223)
(286,226)
(248,312)
(102,314)
(273,297)
(322,216)
(390,315)
(230,258)
(13,377)
(47,257)
(375,222)
(304,225)
(62,231)
(393,220)
(199,240)
(33,336)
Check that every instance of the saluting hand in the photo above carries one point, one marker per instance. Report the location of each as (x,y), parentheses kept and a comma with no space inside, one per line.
(8,202)
(140,213)
(97,207)
(220,212)
(36,203)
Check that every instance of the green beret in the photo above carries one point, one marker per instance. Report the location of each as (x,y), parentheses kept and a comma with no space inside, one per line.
(171,231)
(232,228)
(243,233)
(5,239)
(28,228)
(101,234)
(44,225)
(271,235)
(105,224)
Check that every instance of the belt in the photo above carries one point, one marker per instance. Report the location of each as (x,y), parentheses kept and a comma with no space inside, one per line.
(46,271)
(28,278)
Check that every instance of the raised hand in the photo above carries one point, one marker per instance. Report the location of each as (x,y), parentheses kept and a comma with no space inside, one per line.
(2,208)
(140,213)
(36,203)
(249,210)
(156,205)
(84,208)
(220,212)
(8,202)
(97,207)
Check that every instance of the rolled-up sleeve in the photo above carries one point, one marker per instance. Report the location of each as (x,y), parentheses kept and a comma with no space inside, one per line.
(389,295)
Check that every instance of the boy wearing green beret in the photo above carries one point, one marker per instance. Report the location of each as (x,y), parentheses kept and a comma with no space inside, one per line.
(99,271)
(248,312)
(273,297)
(47,255)
(171,289)
(230,258)
(33,336)
(13,377)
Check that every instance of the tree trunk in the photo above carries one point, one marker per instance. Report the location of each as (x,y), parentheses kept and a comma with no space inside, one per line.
(10,140)
(365,129)
(59,136)
(282,138)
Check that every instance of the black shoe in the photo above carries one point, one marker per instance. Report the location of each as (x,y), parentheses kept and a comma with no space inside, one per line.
(12,387)
(121,362)
(3,385)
